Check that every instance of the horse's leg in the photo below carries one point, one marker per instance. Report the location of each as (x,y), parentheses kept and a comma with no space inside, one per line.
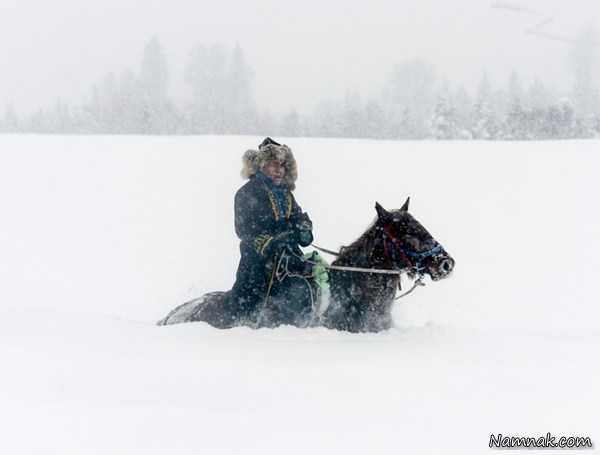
(340,313)
(335,316)
(218,311)
(186,311)
(213,308)
(291,302)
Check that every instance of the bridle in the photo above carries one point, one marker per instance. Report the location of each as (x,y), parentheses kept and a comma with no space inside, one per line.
(395,251)
(414,259)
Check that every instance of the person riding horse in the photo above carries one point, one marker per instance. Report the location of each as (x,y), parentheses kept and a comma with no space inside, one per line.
(270,225)
(276,285)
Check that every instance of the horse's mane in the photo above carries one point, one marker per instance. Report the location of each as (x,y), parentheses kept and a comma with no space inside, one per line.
(363,244)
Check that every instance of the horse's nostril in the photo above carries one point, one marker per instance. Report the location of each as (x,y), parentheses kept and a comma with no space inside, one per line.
(446,266)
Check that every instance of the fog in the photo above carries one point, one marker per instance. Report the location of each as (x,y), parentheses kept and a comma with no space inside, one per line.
(300,53)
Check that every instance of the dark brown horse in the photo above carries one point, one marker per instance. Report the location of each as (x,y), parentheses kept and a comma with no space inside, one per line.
(360,300)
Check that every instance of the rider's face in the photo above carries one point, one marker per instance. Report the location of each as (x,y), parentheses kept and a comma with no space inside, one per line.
(275,170)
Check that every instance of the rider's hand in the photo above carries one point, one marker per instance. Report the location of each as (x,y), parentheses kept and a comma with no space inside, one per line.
(281,241)
(302,226)
(297,264)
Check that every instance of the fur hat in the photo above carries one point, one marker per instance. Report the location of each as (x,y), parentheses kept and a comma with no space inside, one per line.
(269,150)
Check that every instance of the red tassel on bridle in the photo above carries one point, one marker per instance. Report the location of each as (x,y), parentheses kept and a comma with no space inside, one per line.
(388,236)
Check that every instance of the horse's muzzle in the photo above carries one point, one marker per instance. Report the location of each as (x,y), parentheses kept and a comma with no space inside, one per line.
(441,267)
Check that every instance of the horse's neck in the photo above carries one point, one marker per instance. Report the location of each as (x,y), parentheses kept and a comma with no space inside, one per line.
(368,290)
(371,255)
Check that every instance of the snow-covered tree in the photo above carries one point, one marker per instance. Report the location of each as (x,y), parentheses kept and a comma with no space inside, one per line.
(60,118)
(38,122)
(484,123)
(153,73)
(538,96)
(352,121)
(326,120)
(110,104)
(131,102)
(103,112)
(559,122)
(374,120)
(290,125)
(409,97)
(444,124)
(463,106)
(158,113)
(239,102)
(515,91)
(516,119)
(10,122)
(207,75)
(585,63)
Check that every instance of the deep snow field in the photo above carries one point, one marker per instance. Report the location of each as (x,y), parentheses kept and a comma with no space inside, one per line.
(101,236)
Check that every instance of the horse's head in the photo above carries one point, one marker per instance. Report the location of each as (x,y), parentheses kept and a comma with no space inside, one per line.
(410,246)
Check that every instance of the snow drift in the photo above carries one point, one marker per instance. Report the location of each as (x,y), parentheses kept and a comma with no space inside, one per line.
(101,236)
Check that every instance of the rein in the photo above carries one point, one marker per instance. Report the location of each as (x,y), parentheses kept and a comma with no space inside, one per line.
(352,269)
(418,282)
(398,249)
(325,250)
(363,269)
(405,254)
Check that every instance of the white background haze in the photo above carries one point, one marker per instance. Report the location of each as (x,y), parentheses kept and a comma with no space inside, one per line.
(301,53)
(102,235)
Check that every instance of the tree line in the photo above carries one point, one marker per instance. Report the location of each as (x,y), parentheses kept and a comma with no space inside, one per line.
(412,103)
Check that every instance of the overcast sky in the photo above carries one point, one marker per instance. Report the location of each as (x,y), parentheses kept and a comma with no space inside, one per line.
(302,52)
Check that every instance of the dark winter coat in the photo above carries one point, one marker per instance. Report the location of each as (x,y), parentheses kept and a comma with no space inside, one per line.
(262,219)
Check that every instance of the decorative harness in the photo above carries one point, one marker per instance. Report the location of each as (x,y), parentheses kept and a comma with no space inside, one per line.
(392,252)
(412,258)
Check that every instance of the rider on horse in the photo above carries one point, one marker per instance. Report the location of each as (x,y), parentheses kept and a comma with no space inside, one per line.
(276,285)
(269,223)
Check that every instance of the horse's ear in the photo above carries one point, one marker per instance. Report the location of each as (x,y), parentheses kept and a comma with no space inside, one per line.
(382,213)
(404,208)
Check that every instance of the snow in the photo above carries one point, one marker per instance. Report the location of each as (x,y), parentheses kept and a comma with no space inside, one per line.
(101,236)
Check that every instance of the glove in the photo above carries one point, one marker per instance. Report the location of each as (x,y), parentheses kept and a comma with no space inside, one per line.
(285,239)
(302,226)
(297,264)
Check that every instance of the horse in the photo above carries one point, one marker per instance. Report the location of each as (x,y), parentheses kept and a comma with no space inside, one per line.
(363,281)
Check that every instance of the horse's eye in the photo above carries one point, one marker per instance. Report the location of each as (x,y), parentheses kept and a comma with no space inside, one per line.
(429,243)
(413,242)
